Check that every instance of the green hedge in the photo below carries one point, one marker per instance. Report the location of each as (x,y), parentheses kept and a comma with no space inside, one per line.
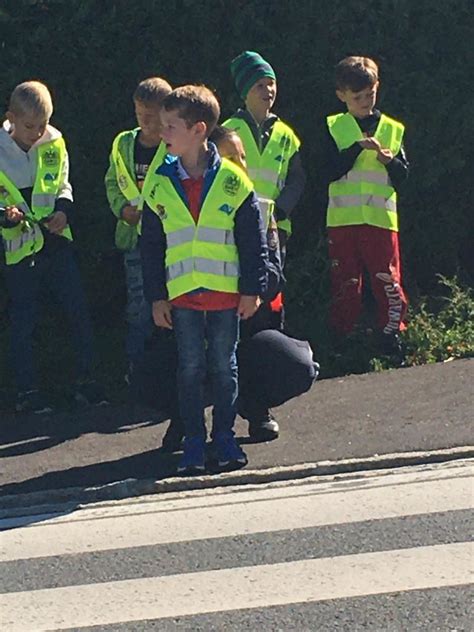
(92,53)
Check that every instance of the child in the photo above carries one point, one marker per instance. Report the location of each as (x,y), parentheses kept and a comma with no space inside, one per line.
(229,145)
(270,315)
(132,153)
(365,164)
(262,424)
(37,240)
(271,146)
(205,264)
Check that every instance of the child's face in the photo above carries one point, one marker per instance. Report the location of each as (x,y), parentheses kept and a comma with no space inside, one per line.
(231,147)
(178,137)
(261,95)
(27,128)
(359,104)
(148,119)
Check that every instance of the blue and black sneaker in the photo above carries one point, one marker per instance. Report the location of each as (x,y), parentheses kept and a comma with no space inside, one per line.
(193,460)
(228,452)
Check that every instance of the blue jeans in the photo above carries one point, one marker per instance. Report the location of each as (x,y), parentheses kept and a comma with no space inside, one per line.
(207,344)
(139,319)
(57,272)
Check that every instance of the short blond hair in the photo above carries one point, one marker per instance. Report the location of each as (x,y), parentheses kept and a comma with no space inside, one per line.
(31,97)
(152,90)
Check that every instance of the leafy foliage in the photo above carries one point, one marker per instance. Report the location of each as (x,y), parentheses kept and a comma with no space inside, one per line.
(445,332)
(92,54)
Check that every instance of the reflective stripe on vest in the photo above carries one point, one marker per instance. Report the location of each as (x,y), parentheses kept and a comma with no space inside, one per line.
(267,170)
(206,234)
(206,266)
(202,254)
(153,168)
(267,207)
(26,238)
(365,194)
(125,180)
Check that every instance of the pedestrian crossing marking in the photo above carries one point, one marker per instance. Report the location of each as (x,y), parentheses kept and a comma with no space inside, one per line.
(230,589)
(103,530)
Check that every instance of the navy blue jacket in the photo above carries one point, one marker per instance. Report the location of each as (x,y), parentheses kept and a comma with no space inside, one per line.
(249,235)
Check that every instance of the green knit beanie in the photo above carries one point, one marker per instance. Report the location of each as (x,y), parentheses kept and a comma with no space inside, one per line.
(247,69)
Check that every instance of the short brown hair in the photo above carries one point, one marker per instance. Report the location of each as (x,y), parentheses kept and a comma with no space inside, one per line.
(356,73)
(31,97)
(221,133)
(152,90)
(194,104)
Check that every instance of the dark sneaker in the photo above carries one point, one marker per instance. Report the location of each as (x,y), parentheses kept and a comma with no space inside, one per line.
(174,435)
(264,428)
(391,345)
(194,456)
(90,393)
(228,452)
(32,402)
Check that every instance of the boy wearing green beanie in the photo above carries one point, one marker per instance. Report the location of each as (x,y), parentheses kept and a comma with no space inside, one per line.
(274,166)
(271,146)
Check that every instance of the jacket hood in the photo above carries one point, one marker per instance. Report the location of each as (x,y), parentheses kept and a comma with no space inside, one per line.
(50,133)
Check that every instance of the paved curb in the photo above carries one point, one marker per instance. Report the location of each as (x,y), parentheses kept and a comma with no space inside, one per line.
(51,501)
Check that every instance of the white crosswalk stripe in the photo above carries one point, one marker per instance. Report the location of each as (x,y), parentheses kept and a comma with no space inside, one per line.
(220,517)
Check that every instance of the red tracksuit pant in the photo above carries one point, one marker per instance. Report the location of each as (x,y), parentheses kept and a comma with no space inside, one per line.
(351,250)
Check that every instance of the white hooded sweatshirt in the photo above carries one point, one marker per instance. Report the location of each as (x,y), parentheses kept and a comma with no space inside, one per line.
(20,165)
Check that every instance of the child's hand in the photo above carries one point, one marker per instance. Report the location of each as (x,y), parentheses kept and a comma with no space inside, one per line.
(14,215)
(248,305)
(161,311)
(131,215)
(384,156)
(370,143)
(56,222)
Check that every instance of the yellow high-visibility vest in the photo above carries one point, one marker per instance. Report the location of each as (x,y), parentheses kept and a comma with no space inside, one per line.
(127,182)
(26,238)
(365,194)
(267,170)
(203,254)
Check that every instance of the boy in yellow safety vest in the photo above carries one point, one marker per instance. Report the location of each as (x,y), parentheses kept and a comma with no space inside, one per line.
(35,189)
(133,151)
(271,146)
(205,264)
(365,164)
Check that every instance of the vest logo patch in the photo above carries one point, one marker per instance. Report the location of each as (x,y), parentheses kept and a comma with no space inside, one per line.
(51,158)
(153,191)
(226,208)
(279,158)
(50,177)
(231,185)
(122,182)
(161,211)
(3,192)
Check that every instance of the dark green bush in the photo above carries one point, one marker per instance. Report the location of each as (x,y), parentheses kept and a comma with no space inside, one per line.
(93,52)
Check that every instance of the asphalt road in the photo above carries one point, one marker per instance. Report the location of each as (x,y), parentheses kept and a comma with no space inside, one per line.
(420,408)
(385,551)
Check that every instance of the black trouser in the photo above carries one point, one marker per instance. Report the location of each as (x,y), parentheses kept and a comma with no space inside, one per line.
(273,368)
